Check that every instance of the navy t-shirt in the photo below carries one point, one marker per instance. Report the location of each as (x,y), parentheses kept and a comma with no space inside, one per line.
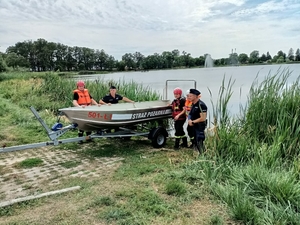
(110,99)
(196,109)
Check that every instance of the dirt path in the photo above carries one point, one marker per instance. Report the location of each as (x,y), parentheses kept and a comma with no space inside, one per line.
(57,164)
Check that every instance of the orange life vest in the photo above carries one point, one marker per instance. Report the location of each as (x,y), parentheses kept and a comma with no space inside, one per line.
(188,106)
(84,97)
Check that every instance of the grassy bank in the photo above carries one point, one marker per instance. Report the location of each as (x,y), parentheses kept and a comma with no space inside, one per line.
(249,174)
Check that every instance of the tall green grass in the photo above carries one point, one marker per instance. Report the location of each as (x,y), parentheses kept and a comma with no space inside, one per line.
(51,91)
(60,90)
(256,155)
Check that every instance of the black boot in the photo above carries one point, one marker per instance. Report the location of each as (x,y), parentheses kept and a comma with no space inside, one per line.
(192,144)
(184,142)
(200,146)
(177,140)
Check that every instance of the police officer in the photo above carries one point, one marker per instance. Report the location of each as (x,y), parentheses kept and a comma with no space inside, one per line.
(197,118)
(113,97)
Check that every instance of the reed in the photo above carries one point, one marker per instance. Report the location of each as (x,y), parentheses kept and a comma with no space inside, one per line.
(256,155)
(60,90)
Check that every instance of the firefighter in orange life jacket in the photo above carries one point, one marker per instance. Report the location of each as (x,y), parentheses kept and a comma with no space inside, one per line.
(179,118)
(82,98)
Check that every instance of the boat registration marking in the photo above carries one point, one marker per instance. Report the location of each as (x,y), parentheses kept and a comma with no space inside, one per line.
(103,116)
(121,116)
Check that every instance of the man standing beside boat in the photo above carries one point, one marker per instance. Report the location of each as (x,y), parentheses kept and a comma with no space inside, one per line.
(197,119)
(82,98)
(113,98)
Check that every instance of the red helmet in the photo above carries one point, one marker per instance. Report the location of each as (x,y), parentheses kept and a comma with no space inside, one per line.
(80,83)
(177,91)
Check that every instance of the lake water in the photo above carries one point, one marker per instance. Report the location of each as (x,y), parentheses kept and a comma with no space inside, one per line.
(206,79)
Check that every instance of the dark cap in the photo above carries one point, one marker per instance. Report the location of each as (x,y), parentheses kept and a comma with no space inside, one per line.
(112,87)
(195,92)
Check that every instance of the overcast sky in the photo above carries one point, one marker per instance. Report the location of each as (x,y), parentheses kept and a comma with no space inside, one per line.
(153,26)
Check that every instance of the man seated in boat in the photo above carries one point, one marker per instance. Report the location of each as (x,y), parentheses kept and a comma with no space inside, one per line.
(82,98)
(113,98)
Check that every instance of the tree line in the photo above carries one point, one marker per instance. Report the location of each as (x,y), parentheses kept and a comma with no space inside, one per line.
(41,55)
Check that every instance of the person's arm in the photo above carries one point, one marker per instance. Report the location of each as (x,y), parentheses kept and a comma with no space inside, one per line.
(201,119)
(102,102)
(75,103)
(94,102)
(75,100)
(127,100)
(203,114)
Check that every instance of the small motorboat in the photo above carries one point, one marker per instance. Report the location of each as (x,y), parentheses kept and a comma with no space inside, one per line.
(92,118)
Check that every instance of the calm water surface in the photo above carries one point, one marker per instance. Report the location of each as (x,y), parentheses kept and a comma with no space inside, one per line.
(206,79)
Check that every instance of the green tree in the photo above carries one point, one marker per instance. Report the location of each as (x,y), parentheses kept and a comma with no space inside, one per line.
(88,58)
(100,59)
(110,63)
(263,58)
(128,58)
(275,58)
(168,59)
(185,59)
(70,61)
(280,59)
(254,57)
(243,58)
(291,56)
(269,57)
(120,65)
(199,61)
(13,60)
(297,55)
(41,54)
(137,59)
(281,53)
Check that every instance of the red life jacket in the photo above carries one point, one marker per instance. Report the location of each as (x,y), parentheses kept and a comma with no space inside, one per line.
(177,109)
(84,97)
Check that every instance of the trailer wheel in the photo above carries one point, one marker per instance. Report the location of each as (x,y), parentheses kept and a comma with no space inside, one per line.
(158,137)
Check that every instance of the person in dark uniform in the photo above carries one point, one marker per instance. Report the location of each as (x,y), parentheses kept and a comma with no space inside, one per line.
(197,119)
(113,97)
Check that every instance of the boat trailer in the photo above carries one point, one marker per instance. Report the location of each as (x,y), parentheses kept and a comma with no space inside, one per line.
(158,135)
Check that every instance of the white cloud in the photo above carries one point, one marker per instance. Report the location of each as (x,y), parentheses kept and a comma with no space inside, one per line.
(119,26)
(272,6)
